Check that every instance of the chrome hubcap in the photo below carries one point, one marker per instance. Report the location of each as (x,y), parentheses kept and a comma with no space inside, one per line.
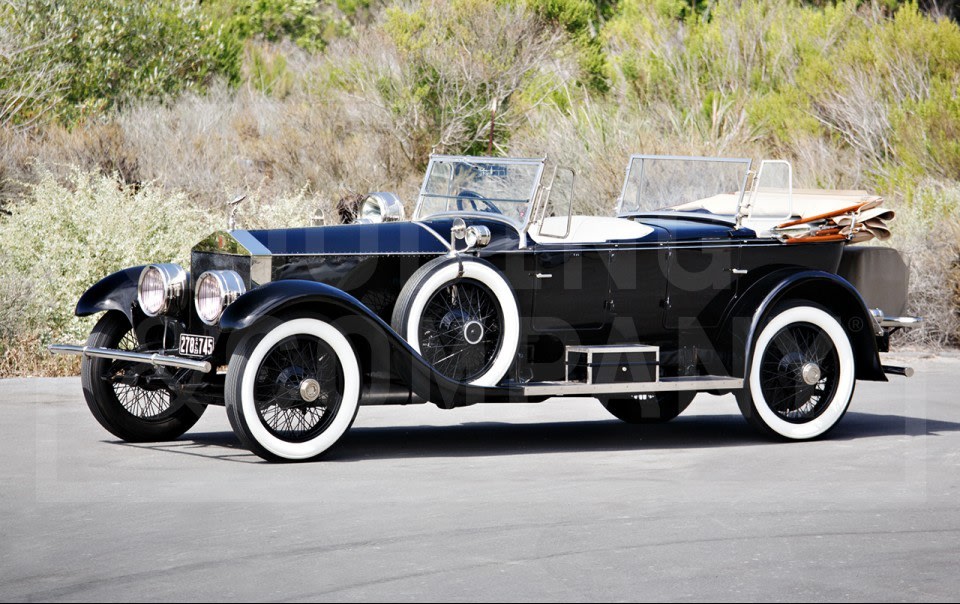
(473,332)
(309,390)
(810,373)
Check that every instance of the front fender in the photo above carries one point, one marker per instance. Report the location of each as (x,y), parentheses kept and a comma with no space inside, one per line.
(376,343)
(745,319)
(117,291)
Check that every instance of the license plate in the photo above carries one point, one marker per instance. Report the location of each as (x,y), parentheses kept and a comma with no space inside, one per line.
(196,346)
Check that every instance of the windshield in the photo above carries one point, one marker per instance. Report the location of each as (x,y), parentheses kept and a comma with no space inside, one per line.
(661,182)
(503,186)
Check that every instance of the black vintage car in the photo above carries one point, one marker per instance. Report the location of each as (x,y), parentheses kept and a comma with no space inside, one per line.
(494,293)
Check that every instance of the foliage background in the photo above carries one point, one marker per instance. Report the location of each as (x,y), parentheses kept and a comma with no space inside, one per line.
(125,125)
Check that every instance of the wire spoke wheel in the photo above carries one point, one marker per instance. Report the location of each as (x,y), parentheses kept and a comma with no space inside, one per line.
(298,386)
(798,372)
(461,315)
(140,402)
(802,373)
(293,387)
(461,329)
(132,400)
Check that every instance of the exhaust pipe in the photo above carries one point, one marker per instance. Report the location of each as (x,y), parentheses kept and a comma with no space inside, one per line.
(894,370)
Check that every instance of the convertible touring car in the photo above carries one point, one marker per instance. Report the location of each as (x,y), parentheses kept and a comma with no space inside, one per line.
(709,278)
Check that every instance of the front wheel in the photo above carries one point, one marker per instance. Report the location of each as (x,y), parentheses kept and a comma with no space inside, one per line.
(292,392)
(129,399)
(801,376)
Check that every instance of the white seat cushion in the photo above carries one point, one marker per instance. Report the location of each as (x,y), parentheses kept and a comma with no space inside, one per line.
(588,229)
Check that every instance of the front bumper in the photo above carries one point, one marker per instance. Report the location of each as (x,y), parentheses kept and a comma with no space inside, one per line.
(161,360)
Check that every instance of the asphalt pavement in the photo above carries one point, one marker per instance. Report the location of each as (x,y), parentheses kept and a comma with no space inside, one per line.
(554,501)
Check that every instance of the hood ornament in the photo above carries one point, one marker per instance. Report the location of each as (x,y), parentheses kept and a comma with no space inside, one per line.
(232,212)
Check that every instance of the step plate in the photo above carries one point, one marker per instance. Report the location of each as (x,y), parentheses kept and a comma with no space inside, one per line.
(667,384)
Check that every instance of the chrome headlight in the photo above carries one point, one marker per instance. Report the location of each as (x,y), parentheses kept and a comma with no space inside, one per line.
(477,236)
(161,289)
(381,207)
(215,291)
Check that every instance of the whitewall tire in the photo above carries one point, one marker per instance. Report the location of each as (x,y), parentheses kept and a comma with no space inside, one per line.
(292,392)
(462,316)
(801,376)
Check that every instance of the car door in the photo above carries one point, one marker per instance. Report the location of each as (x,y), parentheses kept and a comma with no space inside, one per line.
(701,278)
(638,289)
(572,289)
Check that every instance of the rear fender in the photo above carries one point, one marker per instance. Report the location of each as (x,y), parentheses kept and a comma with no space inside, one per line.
(386,358)
(836,294)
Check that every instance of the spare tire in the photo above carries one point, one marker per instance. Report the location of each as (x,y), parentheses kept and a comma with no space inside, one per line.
(461,314)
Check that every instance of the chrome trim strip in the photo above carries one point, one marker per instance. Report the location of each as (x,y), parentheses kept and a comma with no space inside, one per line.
(250,242)
(161,360)
(667,384)
(445,243)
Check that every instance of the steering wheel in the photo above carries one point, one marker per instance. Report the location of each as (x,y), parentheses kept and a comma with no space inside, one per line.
(472,197)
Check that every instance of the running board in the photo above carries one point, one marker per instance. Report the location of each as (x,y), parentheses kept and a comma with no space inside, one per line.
(665,384)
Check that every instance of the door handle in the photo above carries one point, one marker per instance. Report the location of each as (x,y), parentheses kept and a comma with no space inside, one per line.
(544,275)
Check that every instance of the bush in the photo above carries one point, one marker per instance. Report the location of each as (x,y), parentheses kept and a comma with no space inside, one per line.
(101,54)
(308,23)
(341,98)
(445,63)
(66,236)
(927,233)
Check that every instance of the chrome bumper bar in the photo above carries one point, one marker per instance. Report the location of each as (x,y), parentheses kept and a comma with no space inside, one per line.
(900,321)
(883,321)
(161,360)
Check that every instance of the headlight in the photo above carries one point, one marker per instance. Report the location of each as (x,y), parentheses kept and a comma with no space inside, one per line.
(161,289)
(215,291)
(477,236)
(381,207)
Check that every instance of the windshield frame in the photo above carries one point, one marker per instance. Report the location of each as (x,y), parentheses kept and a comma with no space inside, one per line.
(538,162)
(644,157)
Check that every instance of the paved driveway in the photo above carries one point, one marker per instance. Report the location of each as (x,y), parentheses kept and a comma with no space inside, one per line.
(550,501)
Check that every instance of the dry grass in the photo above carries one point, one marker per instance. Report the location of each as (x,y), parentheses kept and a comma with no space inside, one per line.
(306,130)
(27,356)
(927,232)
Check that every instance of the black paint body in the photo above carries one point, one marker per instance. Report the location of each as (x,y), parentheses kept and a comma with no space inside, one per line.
(674,288)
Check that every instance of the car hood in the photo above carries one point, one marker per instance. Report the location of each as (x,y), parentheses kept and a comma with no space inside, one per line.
(325,254)
(390,238)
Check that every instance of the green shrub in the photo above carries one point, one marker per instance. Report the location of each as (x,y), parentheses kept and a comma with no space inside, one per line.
(449,60)
(103,54)
(310,24)
(66,236)
(580,19)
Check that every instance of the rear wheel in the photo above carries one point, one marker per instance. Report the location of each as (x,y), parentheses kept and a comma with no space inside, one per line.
(292,392)
(801,376)
(121,395)
(653,408)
